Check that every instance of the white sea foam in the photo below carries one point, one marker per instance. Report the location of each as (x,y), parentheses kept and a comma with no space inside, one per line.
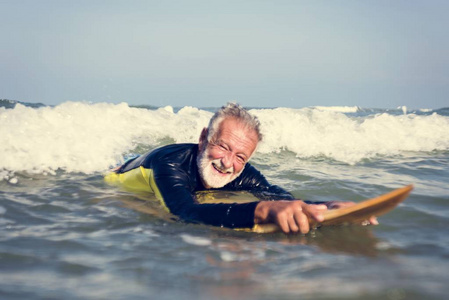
(90,138)
(81,137)
(195,240)
(403,108)
(310,132)
(342,109)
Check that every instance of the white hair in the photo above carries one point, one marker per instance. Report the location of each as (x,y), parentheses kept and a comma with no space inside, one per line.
(233,110)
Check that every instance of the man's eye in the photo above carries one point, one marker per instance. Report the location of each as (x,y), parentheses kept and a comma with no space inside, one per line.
(222,147)
(241,159)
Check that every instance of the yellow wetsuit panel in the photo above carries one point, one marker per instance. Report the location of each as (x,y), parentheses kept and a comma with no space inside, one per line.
(136,180)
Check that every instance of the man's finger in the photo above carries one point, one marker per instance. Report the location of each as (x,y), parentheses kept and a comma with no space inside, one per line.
(319,207)
(303,222)
(314,212)
(373,221)
(292,224)
(283,223)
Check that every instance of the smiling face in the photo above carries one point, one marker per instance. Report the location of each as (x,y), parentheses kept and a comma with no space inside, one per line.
(223,158)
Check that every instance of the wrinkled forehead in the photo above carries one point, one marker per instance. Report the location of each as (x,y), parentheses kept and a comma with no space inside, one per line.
(237,133)
(233,124)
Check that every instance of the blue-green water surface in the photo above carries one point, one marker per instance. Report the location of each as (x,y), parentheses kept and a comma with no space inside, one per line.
(65,234)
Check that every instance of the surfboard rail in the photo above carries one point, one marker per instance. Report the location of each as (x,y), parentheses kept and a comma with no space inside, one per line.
(355,214)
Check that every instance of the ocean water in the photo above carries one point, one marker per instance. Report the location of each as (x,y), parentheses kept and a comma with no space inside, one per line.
(65,234)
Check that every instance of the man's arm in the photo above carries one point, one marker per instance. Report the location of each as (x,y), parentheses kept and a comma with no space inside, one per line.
(291,216)
(253,181)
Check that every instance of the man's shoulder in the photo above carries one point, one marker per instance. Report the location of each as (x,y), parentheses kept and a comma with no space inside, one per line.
(249,178)
(175,148)
(173,154)
(250,169)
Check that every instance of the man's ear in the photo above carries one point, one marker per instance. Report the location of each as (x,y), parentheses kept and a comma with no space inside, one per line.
(203,139)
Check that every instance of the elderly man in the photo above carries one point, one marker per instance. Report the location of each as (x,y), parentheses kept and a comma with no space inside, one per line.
(219,161)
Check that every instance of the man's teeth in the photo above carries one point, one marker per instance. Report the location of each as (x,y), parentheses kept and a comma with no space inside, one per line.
(219,170)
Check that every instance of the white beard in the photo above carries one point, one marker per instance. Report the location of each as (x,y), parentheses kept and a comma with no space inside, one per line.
(208,173)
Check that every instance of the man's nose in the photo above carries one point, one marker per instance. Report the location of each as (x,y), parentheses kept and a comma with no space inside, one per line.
(227,161)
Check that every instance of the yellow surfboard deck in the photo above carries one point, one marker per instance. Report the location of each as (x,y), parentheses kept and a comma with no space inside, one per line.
(355,214)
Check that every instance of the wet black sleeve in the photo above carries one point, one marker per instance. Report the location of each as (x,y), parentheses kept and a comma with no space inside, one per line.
(253,181)
(176,188)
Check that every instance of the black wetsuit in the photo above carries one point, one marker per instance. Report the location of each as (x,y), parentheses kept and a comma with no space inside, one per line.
(175,173)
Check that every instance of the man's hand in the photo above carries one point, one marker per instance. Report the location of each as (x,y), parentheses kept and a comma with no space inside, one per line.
(290,216)
(295,216)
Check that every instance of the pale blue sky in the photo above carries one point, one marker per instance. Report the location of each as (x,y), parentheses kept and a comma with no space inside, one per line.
(205,53)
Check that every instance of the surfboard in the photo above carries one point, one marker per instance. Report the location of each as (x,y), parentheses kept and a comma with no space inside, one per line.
(355,214)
